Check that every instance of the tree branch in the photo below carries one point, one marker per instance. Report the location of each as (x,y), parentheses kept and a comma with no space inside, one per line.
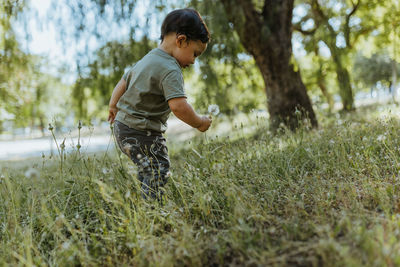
(322,18)
(243,14)
(346,29)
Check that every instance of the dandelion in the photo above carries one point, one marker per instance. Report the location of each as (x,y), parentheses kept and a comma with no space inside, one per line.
(381,138)
(59,220)
(163,213)
(31,173)
(66,245)
(213,109)
(62,146)
(132,170)
(207,197)
(130,245)
(105,171)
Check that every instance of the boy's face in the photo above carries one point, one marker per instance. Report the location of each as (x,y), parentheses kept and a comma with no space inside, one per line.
(188,51)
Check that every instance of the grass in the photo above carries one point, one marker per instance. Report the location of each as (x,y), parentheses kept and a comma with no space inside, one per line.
(323,197)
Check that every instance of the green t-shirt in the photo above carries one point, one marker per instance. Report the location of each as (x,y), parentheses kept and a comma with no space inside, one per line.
(151,82)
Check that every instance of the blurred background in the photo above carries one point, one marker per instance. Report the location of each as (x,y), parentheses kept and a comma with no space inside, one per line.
(60,60)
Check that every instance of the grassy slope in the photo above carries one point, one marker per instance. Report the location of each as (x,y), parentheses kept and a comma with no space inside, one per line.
(329,196)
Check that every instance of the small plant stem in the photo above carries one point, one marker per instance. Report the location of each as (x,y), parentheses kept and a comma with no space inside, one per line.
(55,141)
(78,146)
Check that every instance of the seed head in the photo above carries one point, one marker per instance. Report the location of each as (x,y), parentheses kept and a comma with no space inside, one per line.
(213,109)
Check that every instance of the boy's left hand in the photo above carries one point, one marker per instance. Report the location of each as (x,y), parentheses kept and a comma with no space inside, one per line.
(112,112)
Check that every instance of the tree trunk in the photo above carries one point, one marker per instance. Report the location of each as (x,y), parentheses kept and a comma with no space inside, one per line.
(345,90)
(343,78)
(267,37)
(328,96)
(394,81)
(41,120)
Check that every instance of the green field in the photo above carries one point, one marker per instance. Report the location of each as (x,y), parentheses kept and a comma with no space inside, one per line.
(327,197)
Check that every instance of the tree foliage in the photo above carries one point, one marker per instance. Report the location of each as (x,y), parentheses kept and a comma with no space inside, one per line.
(12,59)
(100,71)
(27,92)
(338,25)
(250,53)
(368,71)
(99,77)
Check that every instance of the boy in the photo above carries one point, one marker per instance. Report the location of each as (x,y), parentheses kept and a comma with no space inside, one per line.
(142,100)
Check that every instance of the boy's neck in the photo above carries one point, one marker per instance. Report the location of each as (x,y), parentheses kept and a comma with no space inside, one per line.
(168,44)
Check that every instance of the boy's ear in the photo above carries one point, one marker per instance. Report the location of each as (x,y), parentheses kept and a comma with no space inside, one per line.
(180,40)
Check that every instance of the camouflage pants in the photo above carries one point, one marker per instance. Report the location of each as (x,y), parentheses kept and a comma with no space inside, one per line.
(149,152)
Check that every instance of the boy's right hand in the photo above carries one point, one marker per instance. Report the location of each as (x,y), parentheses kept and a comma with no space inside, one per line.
(205,123)
(112,112)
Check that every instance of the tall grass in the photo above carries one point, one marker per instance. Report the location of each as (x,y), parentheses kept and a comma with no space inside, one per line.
(322,197)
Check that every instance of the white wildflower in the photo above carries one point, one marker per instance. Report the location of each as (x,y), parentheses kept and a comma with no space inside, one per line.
(163,213)
(207,197)
(381,138)
(66,245)
(105,171)
(132,170)
(130,245)
(331,141)
(213,109)
(128,194)
(31,173)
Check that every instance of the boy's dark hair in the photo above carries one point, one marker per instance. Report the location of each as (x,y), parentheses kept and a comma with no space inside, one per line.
(188,22)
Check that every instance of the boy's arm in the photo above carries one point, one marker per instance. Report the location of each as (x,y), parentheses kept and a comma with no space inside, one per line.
(119,90)
(181,108)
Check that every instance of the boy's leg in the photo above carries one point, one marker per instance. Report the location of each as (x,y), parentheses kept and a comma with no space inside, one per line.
(150,154)
(154,166)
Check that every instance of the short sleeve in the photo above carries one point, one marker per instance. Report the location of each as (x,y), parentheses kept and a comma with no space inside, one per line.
(172,85)
(127,75)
